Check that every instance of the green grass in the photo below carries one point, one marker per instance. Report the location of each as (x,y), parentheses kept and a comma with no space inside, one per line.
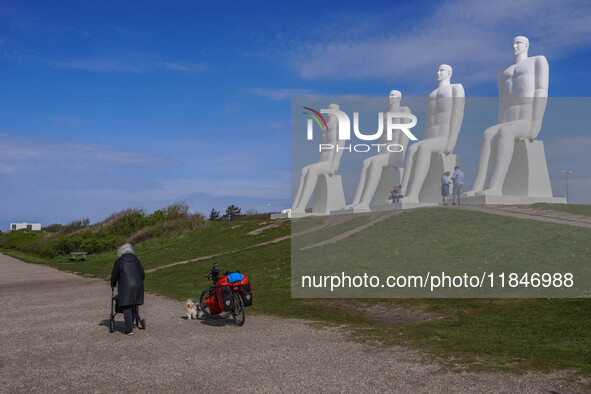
(513,335)
(313,237)
(216,237)
(436,240)
(577,209)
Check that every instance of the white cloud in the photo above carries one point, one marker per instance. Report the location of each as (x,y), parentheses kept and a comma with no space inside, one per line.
(473,36)
(111,62)
(282,94)
(36,159)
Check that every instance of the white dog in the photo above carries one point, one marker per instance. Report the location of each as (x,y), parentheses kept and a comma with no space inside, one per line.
(193,310)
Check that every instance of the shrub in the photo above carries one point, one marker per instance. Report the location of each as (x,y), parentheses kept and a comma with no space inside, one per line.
(75,225)
(177,210)
(166,229)
(53,228)
(127,224)
(197,221)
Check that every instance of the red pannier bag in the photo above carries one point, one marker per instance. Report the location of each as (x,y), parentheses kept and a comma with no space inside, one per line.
(212,304)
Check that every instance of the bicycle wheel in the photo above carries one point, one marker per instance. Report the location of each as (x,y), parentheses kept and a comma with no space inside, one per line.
(238,311)
(205,307)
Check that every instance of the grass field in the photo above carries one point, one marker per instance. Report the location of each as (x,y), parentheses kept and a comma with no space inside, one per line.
(513,335)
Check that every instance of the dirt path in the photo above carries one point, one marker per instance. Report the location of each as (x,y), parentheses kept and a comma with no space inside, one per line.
(54,338)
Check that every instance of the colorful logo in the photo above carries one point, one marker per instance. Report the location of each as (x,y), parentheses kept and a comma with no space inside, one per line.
(325,127)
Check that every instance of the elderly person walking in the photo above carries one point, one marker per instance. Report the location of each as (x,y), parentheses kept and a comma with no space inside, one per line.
(128,271)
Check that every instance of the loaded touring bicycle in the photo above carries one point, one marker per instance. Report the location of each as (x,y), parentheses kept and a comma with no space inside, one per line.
(228,296)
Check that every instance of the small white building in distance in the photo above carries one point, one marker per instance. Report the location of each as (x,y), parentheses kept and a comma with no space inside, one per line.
(28,226)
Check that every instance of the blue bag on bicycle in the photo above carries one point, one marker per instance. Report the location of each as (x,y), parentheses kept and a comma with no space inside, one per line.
(234,277)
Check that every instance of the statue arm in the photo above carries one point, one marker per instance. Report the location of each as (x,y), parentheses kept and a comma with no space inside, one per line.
(402,138)
(336,157)
(501,101)
(540,95)
(429,109)
(457,115)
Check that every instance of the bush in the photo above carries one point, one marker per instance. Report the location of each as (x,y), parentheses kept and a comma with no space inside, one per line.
(132,225)
(166,229)
(177,210)
(53,228)
(127,223)
(75,225)
(197,221)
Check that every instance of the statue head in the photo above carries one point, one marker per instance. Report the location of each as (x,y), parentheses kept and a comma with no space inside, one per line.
(333,117)
(444,72)
(395,97)
(520,45)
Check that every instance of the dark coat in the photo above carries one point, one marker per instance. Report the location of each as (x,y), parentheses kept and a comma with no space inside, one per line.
(128,271)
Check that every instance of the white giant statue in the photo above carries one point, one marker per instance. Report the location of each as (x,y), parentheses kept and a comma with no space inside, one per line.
(378,169)
(523,92)
(444,115)
(319,178)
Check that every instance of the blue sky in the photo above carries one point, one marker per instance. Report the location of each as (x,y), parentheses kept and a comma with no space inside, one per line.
(109,105)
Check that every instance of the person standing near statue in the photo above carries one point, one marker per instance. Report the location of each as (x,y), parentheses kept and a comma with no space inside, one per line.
(444,115)
(523,93)
(458,181)
(445,186)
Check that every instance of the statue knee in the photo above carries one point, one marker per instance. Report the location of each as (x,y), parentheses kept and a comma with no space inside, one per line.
(413,148)
(489,134)
(424,150)
(309,169)
(505,132)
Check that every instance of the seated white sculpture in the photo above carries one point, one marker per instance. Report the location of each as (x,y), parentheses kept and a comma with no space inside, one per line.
(328,193)
(444,115)
(523,92)
(377,170)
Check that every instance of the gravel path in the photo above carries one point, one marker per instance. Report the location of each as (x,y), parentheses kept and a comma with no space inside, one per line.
(54,338)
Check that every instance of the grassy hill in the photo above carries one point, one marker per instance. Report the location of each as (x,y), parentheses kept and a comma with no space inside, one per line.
(478,334)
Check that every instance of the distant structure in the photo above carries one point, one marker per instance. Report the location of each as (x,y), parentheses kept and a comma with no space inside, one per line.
(27,225)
